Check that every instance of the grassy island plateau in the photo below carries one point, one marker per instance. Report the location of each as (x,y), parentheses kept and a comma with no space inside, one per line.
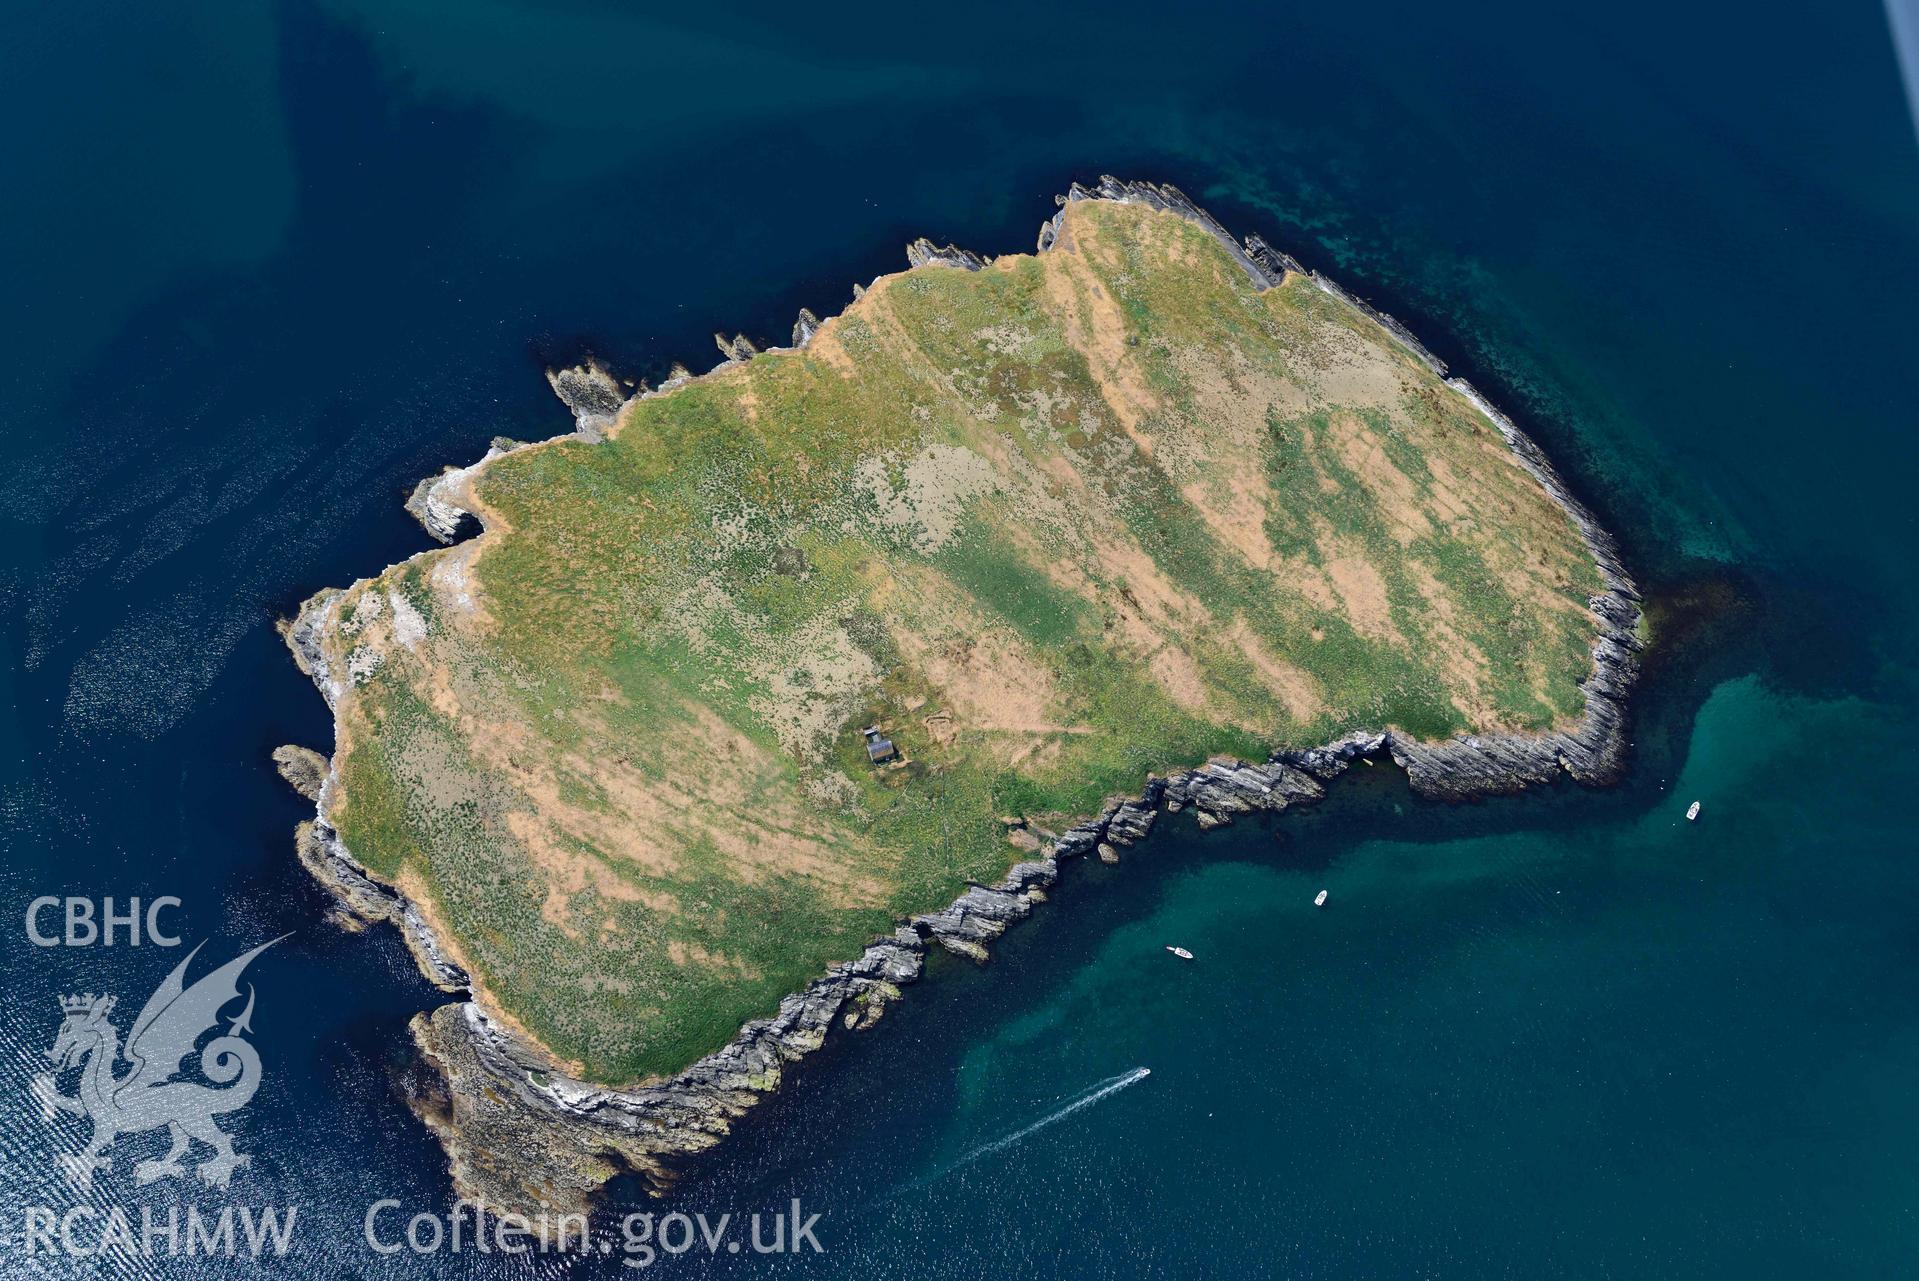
(762,681)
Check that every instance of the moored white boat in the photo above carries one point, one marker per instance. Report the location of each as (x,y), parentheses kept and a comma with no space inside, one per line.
(1692,812)
(1180,952)
(1319,899)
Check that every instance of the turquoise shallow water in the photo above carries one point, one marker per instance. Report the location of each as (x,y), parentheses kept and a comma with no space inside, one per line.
(1630,1048)
(266,266)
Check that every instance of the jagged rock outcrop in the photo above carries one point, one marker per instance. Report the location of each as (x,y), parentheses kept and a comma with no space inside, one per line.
(432,503)
(924,253)
(805,327)
(364,901)
(304,769)
(507,1116)
(594,395)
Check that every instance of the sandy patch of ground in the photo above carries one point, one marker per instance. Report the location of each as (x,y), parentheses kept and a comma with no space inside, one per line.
(456,586)
(1362,590)
(1466,671)
(1234,497)
(706,782)
(1142,585)
(568,872)
(1297,692)
(1176,673)
(988,679)
(1400,502)
(701,781)
(1093,325)
(1347,371)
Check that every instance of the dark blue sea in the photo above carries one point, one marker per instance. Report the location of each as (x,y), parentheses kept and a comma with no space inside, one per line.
(264,265)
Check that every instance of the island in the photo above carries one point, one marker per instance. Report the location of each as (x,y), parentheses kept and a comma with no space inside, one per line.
(758,684)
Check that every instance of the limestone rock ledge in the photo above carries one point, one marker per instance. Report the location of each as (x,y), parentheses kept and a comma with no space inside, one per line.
(594,395)
(304,769)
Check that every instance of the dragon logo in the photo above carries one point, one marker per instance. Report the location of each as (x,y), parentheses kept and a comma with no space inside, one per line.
(147,1096)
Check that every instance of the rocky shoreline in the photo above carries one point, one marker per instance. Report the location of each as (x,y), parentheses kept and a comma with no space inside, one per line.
(521,1135)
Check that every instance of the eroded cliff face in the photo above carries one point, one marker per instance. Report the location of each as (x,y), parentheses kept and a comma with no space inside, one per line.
(937,552)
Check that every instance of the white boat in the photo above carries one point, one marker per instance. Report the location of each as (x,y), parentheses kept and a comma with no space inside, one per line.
(1692,812)
(1180,952)
(1319,899)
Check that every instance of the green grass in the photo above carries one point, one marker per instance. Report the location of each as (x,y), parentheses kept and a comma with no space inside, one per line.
(994,511)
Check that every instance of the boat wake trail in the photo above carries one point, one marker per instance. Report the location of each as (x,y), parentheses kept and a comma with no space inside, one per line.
(1085,1099)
